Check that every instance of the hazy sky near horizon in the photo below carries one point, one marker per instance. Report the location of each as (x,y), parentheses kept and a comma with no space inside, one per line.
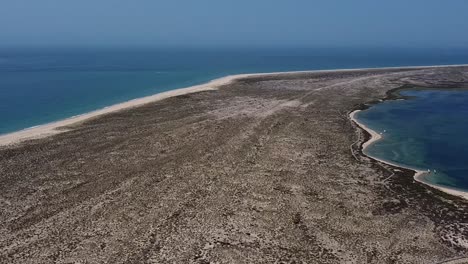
(403,23)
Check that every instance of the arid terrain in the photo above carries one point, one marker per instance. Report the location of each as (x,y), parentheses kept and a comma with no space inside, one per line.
(263,170)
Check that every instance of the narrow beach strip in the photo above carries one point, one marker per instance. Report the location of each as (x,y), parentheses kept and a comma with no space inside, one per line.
(52,128)
(419,174)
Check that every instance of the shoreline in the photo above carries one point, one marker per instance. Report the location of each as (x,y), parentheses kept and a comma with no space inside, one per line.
(52,128)
(274,150)
(418,174)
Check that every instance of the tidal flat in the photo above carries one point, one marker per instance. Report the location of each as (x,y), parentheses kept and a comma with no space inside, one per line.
(265,169)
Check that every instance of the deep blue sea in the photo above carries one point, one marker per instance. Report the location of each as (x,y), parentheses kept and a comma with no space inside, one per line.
(427,131)
(39,85)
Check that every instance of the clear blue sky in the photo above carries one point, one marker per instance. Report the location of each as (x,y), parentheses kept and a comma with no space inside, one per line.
(432,23)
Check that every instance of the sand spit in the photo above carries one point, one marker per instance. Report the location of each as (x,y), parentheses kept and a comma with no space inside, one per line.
(257,171)
(52,128)
(374,135)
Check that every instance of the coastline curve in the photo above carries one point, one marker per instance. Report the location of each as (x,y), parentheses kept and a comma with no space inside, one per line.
(418,174)
(56,127)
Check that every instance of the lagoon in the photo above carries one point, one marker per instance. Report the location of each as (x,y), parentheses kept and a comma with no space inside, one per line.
(426,131)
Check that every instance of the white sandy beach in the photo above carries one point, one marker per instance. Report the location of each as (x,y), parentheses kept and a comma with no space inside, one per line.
(419,174)
(53,127)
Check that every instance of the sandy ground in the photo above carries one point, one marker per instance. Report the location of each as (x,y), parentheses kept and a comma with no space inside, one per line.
(263,169)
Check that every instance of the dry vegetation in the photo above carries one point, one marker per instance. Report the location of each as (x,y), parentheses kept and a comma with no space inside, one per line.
(265,170)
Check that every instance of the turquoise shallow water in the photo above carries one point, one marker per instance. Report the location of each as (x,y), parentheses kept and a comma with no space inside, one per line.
(427,131)
(38,86)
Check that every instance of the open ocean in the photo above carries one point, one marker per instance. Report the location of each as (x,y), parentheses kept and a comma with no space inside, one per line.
(427,131)
(38,86)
